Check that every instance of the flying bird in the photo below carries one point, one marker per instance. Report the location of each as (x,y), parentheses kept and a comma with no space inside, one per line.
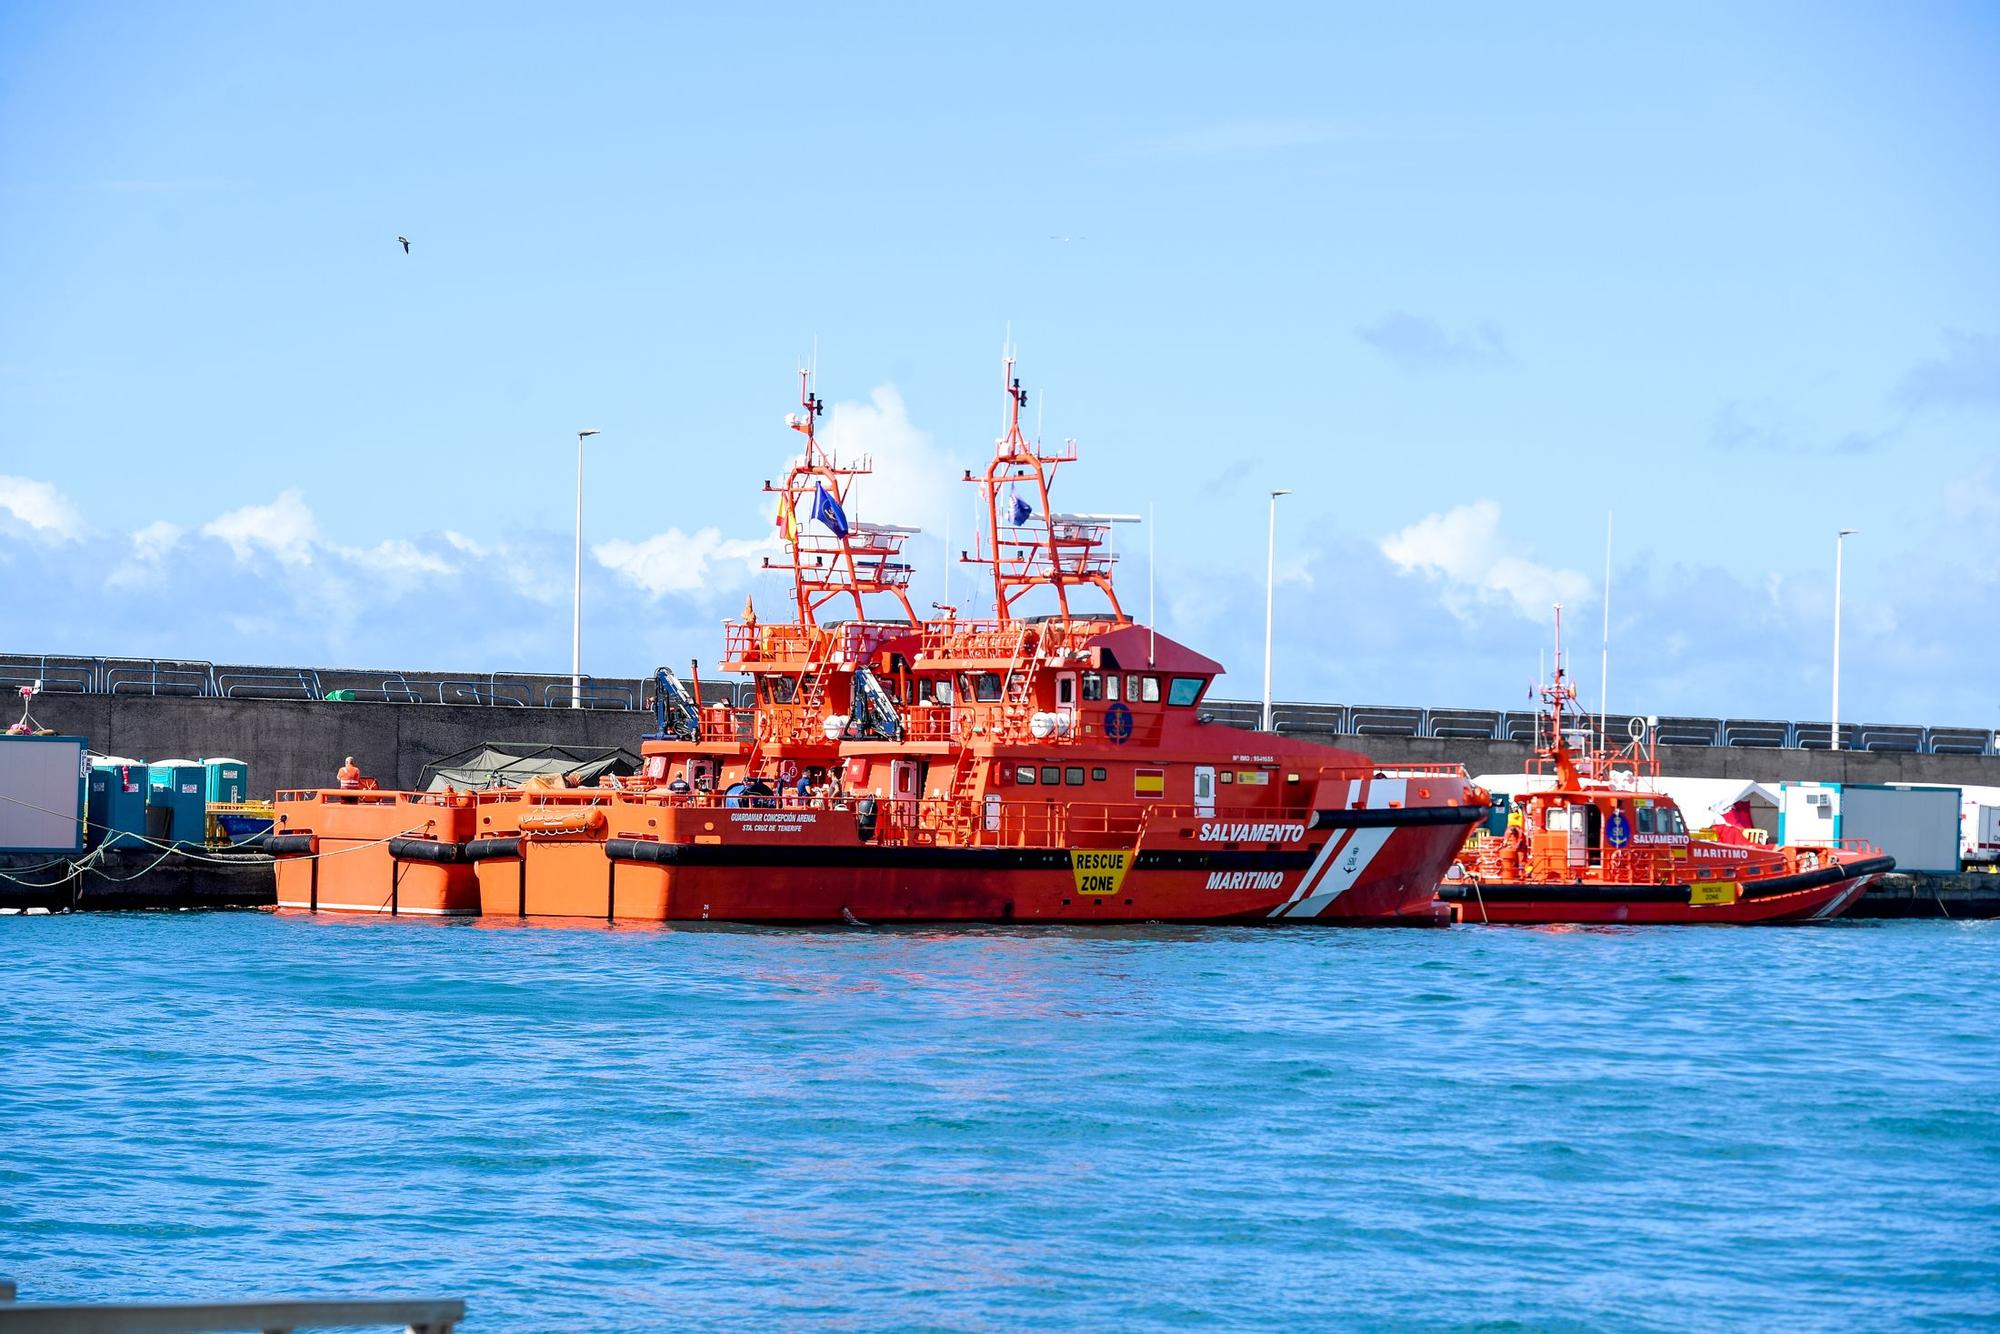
(406,243)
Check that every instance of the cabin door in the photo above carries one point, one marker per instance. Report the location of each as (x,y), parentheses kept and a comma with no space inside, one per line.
(906,782)
(1066,698)
(1204,791)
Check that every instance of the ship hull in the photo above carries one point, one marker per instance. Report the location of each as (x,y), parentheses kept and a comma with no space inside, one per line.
(392,853)
(1814,896)
(1359,875)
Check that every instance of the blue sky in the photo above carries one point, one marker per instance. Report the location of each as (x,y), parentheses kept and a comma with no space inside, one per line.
(1465,278)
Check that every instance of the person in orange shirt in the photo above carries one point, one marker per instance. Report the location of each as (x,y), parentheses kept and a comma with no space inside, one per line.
(349,775)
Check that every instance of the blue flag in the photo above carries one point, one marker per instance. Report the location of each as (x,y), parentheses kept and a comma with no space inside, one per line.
(827,510)
(1022,509)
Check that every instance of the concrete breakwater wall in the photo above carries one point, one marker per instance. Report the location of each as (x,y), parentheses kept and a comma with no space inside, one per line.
(299,743)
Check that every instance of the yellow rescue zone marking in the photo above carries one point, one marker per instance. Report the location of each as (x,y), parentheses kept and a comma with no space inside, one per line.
(1098,871)
(1708,893)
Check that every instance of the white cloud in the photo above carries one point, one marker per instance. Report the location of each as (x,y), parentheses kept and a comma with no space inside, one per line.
(284,528)
(681,563)
(396,556)
(913,483)
(151,546)
(45,510)
(1463,549)
(156,539)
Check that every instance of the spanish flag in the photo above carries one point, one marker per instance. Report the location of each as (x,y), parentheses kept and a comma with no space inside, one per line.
(787,524)
(1149,783)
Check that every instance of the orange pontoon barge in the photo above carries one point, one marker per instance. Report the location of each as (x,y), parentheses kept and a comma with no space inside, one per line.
(1047,767)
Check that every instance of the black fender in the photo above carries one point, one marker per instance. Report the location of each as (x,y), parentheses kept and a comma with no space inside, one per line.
(292,845)
(492,849)
(642,850)
(427,850)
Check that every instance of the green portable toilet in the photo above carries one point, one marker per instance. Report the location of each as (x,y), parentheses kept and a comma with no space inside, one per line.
(117,802)
(177,802)
(228,781)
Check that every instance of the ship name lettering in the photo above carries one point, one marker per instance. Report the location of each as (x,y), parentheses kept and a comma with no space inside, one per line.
(1227,831)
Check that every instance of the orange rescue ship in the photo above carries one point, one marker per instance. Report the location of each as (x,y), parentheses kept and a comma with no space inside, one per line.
(1056,767)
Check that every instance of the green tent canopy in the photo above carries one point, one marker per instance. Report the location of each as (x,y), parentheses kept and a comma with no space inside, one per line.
(511,763)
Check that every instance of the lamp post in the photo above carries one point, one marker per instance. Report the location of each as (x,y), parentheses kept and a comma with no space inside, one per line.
(1270,585)
(576,598)
(1839,542)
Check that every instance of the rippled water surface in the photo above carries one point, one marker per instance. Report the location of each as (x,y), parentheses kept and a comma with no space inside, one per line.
(627,1129)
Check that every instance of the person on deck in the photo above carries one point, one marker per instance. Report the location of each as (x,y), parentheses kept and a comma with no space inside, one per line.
(349,775)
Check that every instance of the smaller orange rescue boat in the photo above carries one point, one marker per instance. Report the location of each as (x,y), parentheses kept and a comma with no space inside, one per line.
(1602,843)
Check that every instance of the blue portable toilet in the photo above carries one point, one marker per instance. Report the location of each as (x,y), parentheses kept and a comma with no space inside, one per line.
(177,793)
(228,781)
(117,802)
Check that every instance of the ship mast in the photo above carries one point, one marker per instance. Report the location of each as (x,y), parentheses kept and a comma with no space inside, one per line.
(1032,546)
(1558,750)
(829,554)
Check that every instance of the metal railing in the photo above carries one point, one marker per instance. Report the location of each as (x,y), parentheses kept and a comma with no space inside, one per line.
(61,674)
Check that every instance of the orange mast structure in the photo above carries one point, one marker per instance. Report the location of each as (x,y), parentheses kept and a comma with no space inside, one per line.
(829,554)
(1032,546)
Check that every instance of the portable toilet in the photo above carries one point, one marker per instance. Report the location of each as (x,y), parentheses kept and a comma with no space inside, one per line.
(117,808)
(228,781)
(177,797)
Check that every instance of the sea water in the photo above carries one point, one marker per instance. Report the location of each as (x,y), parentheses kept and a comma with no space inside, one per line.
(613,1129)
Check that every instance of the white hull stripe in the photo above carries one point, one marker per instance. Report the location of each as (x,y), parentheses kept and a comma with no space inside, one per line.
(1838,902)
(381,908)
(1334,842)
(1347,869)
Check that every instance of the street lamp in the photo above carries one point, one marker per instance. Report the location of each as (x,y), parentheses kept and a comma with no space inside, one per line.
(1839,541)
(1270,584)
(576,600)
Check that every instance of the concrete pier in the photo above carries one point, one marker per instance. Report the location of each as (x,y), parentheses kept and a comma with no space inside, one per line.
(299,743)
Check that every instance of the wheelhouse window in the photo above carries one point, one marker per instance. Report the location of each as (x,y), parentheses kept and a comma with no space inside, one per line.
(1184,691)
(1111,687)
(1093,687)
(986,687)
(1149,687)
(1098,775)
(1025,775)
(1051,775)
(1073,775)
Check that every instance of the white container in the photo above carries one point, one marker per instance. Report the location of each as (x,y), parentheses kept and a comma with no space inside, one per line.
(43,791)
(1918,826)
